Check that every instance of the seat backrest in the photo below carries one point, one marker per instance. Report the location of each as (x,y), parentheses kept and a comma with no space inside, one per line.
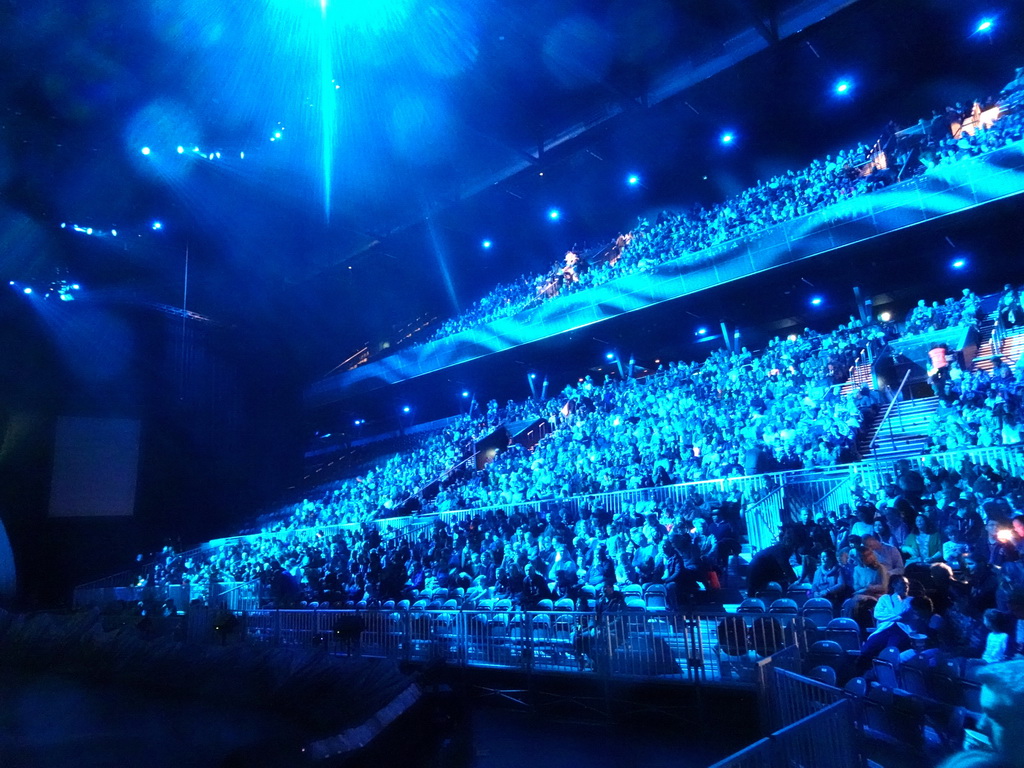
(823,673)
(545,605)
(784,605)
(565,604)
(635,604)
(751,605)
(857,686)
(843,623)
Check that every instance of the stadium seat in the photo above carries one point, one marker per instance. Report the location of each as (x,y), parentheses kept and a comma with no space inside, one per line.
(783,608)
(823,674)
(818,610)
(845,632)
(886,667)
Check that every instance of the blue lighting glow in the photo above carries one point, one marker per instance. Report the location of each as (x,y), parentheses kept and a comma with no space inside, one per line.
(113,232)
(554,214)
(959,263)
(816,301)
(702,331)
(727,138)
(146,150)
(88,230)
(465,393)
(610,355)
(406,409)
(985,25)
(26,289)
(158,225)
(181,149)
(486,244)
(843,87)
(75,287)
(633,180)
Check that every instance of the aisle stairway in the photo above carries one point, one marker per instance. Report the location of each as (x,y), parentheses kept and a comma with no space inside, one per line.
(1010,350)
(860,377)
(904,434)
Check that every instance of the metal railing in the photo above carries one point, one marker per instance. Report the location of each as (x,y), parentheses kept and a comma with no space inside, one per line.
(885,417)
(826,737)
(694,647)
(764,519)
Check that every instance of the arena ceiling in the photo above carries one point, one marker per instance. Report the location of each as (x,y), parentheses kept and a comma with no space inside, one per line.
(331,173)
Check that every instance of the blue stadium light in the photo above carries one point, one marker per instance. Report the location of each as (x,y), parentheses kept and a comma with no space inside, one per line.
(406,409)
(88,230)
(985,25)
(26,289)
(486,244)
(843,87)
(633,180)
(727,138)
(357,422)
(66,297)
(158,225)
(63,225)
(181,150)
(146,150)
(75,287)
(11,283)
(113,232)
(959,263)
(533,375)
(610,355)
(241,155)
(816,301)
(277,134)
(702,331)
(553,214)
(465,393)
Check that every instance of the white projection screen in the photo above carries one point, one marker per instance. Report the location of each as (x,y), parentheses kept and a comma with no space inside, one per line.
(95,464)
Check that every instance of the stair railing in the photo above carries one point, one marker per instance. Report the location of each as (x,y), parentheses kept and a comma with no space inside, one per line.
(885,418)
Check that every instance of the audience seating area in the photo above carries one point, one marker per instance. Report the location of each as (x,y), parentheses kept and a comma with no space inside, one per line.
(702,523)
(692,235)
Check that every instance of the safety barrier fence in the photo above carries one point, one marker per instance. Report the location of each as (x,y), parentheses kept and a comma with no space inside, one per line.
(690,647)
(808,486)
(787,696)
(825,737)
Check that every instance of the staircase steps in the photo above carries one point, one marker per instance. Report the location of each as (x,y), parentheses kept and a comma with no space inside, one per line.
(861,376)
(905,433)
(1010,351)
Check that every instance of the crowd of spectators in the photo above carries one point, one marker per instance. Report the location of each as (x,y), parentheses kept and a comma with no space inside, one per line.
(931,562)
(386,487)
(735,414)
(961,131)
(978,406)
